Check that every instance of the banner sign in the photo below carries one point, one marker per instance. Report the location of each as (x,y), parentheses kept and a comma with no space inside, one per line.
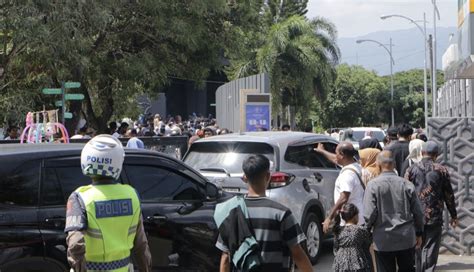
(257,117)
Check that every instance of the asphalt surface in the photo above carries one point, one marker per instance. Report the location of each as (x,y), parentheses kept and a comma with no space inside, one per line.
(446,262)
(327,257)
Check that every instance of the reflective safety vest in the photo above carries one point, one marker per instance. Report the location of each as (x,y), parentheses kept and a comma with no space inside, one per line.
(113,212)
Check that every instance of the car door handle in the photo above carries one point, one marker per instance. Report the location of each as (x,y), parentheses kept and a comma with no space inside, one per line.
(56,221)
(157,218)
(318,176)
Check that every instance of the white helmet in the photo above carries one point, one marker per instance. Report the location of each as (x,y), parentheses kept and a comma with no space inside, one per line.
(102,156)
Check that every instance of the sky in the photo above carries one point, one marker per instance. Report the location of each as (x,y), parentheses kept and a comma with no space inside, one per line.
(359,17)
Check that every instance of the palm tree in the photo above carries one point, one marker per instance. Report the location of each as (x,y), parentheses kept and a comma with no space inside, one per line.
(300,56)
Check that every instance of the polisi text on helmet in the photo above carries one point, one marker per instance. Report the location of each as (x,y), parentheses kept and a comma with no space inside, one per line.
(99,160)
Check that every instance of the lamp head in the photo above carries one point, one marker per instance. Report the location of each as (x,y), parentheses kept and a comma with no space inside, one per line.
(359,41)
(383,17)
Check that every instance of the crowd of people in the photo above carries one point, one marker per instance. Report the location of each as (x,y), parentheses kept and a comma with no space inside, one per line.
(387,214)
(389,201)
(194,128)
(399,195)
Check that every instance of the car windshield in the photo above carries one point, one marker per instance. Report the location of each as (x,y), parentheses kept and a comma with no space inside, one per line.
(228,156)
(359,135)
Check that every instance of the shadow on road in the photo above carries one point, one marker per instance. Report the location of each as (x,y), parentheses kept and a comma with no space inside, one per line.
(456,266)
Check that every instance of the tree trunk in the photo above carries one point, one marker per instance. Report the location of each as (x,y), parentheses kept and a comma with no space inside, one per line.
(291,112)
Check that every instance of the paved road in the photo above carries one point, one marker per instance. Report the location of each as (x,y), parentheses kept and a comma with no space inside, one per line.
(448,263)
(326,259)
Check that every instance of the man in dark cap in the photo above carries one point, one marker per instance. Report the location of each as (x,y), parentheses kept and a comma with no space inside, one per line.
(433,186)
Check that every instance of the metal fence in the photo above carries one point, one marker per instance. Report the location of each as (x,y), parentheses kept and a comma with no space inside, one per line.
(455,98)
(175,146)
(456,137)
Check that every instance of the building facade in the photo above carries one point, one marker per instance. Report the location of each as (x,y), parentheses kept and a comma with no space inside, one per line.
(452,127)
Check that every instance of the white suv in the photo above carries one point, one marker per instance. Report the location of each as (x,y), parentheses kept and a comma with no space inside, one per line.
(359,133)
(302,179)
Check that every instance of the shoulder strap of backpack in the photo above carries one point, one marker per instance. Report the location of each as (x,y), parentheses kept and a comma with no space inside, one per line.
(357,174)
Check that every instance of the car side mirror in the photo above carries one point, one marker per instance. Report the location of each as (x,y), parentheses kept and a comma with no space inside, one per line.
(212,192)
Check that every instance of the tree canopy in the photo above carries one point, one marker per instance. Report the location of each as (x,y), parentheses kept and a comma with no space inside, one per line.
(117,50)
(365,97)
(121,50)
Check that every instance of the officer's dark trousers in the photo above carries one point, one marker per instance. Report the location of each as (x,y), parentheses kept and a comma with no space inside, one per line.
(427,256)
(387,261)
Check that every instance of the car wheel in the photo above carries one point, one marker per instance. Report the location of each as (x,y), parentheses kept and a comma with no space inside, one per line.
(314,232)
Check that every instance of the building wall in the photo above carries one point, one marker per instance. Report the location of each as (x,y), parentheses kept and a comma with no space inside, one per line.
(185,97)
(455,98)
(455,137)
(228,99)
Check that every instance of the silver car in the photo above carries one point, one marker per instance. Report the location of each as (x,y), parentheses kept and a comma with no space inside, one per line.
(302,179)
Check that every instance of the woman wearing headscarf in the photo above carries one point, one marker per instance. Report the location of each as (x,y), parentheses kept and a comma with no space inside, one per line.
(368,160)
(370,170)
(414,155)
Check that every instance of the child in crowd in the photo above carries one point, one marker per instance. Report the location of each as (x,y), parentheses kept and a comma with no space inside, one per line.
(351,242)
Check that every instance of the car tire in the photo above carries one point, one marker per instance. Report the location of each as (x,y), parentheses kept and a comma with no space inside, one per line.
(313,230)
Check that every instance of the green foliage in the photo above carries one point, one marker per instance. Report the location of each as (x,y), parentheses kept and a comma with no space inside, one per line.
(279,10)
(299,55)
(116,49)
(364,96)
(120,50)
(409,96)
(352,99)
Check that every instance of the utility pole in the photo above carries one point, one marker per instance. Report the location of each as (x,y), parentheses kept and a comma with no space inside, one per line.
(391,83)
(430,46)
(392,62)
(435,86)
(425,45)
(425,81)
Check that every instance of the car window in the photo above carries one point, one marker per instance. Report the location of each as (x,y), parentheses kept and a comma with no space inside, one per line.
(330,147)
(359,135)
(20,186)
(60,182)
(304,155)
(226,155)
(51,192)
(155,184)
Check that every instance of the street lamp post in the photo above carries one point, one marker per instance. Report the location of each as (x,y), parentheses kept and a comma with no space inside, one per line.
(392,62)
(435,88)
(425,79)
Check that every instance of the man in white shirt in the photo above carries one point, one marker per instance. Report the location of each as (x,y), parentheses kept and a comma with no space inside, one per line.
(134,142)
(349,187)
(82,134)
(335,134)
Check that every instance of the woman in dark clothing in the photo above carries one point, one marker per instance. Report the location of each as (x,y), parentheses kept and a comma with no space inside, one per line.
(351,243)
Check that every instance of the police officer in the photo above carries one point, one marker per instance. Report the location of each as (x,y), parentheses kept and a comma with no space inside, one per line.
(103,220)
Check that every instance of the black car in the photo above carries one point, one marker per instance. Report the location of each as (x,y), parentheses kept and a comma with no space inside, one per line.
(36,181)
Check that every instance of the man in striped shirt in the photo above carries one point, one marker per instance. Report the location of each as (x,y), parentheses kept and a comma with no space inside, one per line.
(275,228)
